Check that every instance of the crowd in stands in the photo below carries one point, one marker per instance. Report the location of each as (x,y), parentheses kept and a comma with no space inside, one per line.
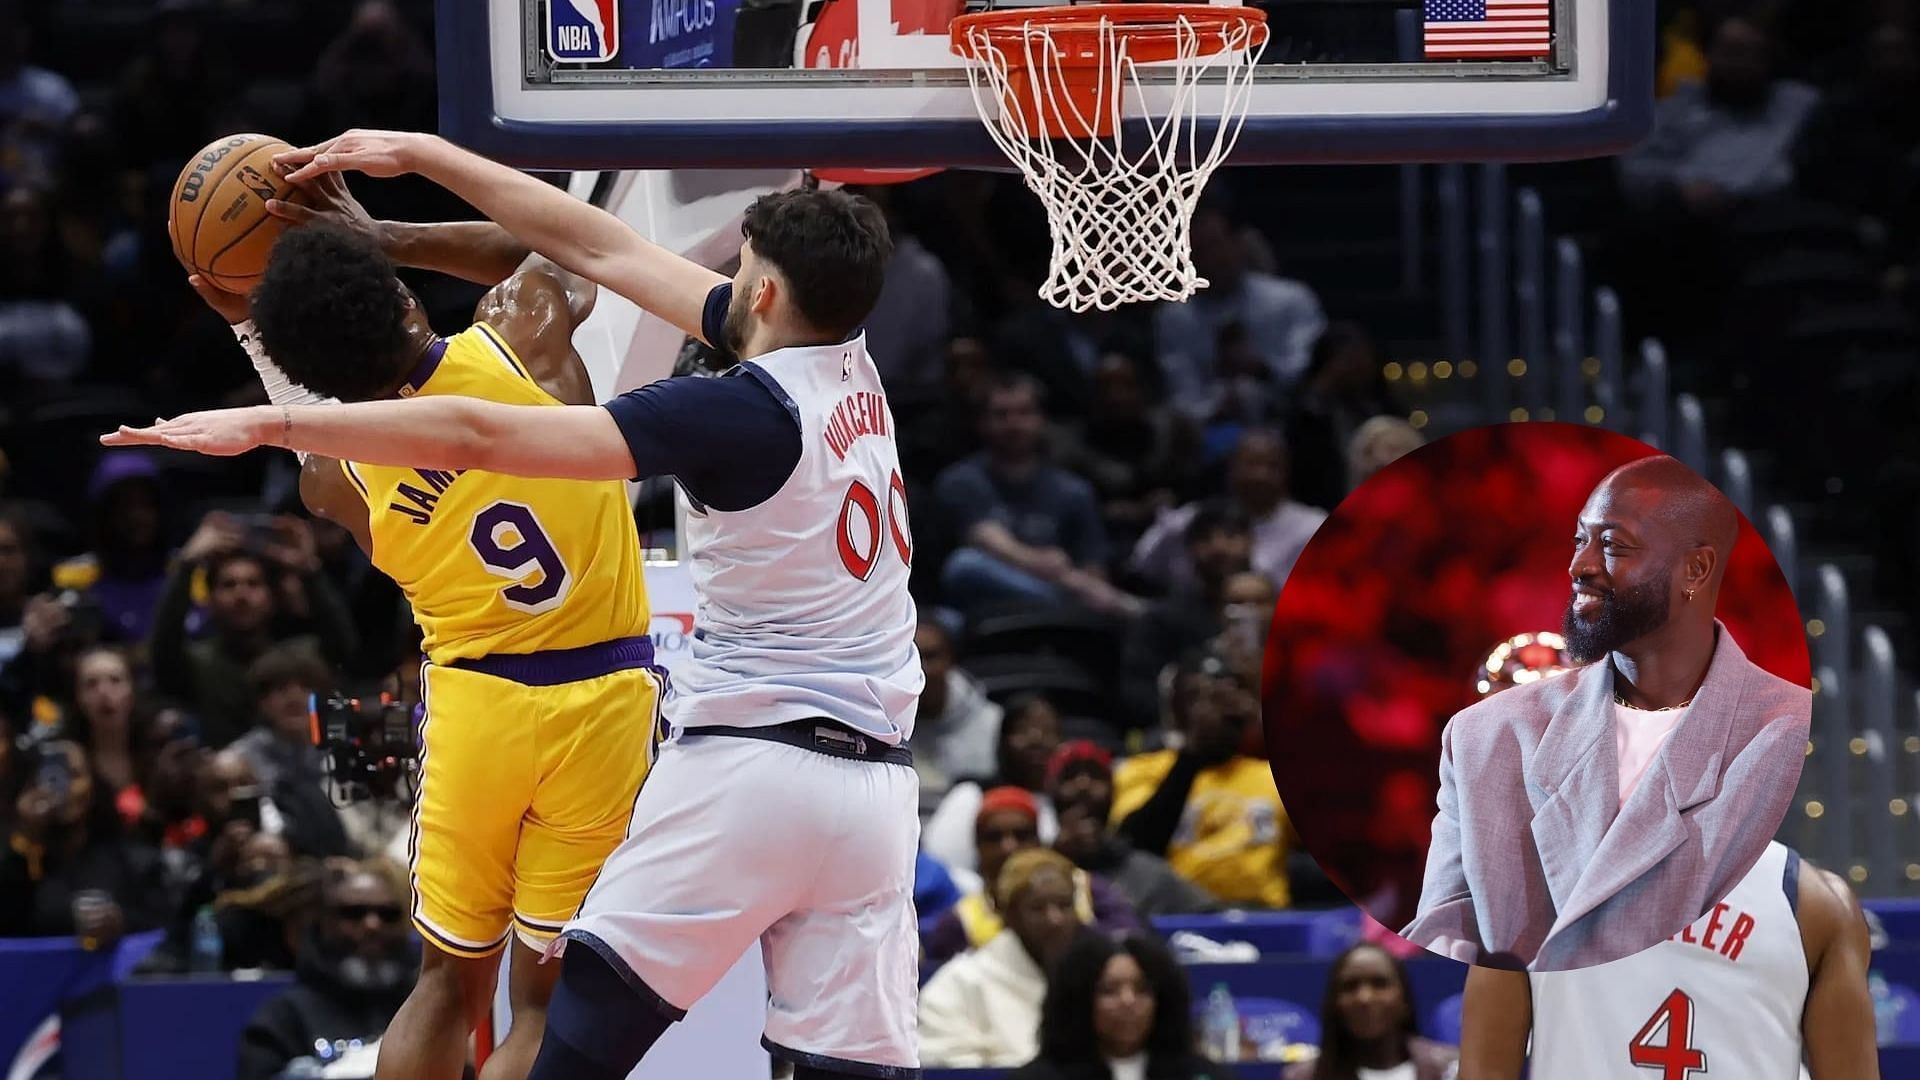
(1105,507)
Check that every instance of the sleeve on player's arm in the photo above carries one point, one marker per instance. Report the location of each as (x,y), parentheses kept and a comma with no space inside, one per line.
(728,441)
(713,317)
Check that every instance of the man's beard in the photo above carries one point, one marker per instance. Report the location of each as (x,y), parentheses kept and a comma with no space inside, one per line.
(361,973)
(1626,615)
(733,328)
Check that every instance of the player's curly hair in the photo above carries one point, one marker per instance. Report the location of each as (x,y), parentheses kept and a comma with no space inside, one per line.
(331,314)
(832,248)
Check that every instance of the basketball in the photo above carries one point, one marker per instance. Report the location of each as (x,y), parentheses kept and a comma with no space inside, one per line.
(218,218)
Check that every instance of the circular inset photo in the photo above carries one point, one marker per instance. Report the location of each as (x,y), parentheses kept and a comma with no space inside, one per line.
(1536,696)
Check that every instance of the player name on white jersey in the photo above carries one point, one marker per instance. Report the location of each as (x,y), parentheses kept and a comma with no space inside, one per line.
(860,413)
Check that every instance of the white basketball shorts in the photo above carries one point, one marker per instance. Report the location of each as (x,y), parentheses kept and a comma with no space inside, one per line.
(734,839)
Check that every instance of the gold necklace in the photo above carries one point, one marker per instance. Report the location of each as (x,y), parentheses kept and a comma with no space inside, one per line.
(1671,708)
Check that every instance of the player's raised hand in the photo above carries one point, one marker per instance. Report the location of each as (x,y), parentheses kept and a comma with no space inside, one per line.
(376,153)
(218,433)
(231,306)
(328,202)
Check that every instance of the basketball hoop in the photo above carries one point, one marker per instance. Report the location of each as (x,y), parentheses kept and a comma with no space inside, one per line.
(1052,84)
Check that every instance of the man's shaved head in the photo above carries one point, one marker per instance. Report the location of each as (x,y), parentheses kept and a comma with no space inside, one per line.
(1651,548)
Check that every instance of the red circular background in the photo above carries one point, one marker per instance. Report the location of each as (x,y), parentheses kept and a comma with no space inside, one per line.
(1395,604)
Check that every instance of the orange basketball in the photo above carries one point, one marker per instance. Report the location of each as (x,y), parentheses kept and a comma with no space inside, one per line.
(218,218)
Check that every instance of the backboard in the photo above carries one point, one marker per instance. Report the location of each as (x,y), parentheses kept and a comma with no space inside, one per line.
(631,84)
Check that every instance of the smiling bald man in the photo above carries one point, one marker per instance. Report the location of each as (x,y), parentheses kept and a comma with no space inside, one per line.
(1586,817)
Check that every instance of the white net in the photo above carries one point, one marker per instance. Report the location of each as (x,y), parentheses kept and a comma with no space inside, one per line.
(1119,201)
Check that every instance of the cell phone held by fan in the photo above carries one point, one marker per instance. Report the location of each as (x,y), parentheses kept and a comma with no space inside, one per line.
(372,746)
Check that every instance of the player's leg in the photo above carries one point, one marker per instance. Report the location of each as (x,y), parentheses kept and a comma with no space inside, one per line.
(476,781)
(842,971)
(594,740)
(723,843)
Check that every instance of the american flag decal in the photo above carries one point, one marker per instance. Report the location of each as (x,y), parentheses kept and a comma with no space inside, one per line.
(1488,29)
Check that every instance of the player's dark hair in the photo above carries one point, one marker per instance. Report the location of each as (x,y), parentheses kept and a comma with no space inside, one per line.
(1339,1054)
(831,247)
(1067,1036)
(331,315)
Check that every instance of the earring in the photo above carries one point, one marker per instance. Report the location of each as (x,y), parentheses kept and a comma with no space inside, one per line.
(1689,594)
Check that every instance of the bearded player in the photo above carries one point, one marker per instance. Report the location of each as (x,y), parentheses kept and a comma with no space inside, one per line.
(539,689)
(1773,975)
(785,806)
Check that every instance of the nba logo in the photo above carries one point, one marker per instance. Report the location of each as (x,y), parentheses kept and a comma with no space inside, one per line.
(583,31)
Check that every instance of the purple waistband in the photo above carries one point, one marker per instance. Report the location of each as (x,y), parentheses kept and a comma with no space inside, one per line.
(557,666)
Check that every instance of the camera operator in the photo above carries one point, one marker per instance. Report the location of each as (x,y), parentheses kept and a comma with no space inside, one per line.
(354,969)
(263,587)
(67,869)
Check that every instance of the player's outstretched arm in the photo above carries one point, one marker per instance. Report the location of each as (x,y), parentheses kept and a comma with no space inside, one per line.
(1837,1024)
(478,251)
(571,442)
(577,235)
(1495,1019)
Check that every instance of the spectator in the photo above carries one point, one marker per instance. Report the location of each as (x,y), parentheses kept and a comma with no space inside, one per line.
(1080,779)
(908,328)
(1209,809)
(1343,389)
(44,340)
(1246,327)
(1029,734)
(1246,611)
(1007,827)
(280,746)
(241,607)
(163,105)
(934,891)
(948,429)
(352,976)
(1125,448)
(16,578)
(126,573)
(263,919)
(67,870)
(1031,530)
(1379,443)
(1118,1010)
(1367,1029)
(1859,146)
(1726,139)
(1219,544)
(983,1009)
(957,729)
(55,630)
(104,721)
(35,105)
(1257,483)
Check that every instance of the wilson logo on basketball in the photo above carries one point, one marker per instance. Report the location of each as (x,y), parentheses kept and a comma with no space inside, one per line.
(583,31)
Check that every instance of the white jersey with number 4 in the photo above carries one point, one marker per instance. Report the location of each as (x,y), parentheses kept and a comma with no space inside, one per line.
(1721,1000)
(803,605)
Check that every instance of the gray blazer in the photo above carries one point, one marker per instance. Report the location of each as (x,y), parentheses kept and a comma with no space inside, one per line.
(1534,861)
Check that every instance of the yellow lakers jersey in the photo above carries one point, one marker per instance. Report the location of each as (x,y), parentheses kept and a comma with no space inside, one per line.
(502,564)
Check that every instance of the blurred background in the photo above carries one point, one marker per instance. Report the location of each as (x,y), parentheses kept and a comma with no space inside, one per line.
(1740,291)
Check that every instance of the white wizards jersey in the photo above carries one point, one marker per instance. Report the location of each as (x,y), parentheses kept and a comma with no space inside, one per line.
(803,608)
(1722,998)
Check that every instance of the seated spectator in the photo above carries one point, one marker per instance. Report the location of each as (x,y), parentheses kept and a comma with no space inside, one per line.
(948,428)
(983,1008)
(1379,443)
(1125,448)
(1343,388)
(1209,809)
(265,914)
(1007,827)
(45,342)
(957,729)
(280,746)
(16,583)
(355,970)
(68,870)
(1080,779)
(211,673)
(1248,333)
(1727,139)
(104,721)
(1246,613)
(1031,530)
(1029,734)
(1118,1010)
(35,105)
(1367,1029)
(934,891)
(1219,544)
(126,572)
(1257,484)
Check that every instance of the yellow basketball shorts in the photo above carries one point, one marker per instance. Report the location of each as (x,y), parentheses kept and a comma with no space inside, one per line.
(527,784)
